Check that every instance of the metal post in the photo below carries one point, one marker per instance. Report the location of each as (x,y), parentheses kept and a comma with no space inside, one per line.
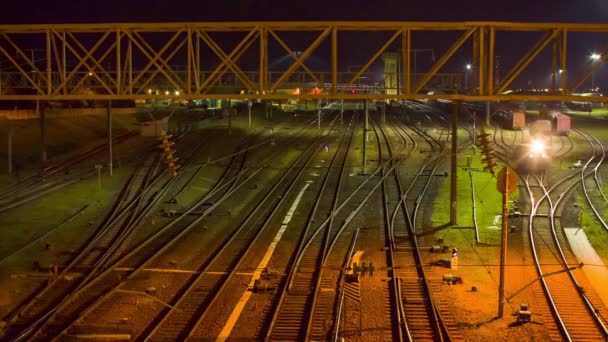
(98,167)
(319,114)
(110,156)
(249,104)
(488,113)
(366,116)
(453,164)
(503,244)
(384,112)
(365,134)
(42,131)
(10,149)
(229,118)
(341,110)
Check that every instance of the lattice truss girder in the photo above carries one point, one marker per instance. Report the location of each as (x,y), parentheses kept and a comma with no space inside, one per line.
(126,61)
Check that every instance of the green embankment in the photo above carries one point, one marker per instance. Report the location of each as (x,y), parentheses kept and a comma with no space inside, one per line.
(488,202)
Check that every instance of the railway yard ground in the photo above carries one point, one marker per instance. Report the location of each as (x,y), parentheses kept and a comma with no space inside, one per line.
(296,230)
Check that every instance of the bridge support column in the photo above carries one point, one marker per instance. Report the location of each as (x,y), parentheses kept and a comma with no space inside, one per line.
(453,165)
(249,104)
(227,103)
(110,152)
(10,149)
(42,131)
(365,128)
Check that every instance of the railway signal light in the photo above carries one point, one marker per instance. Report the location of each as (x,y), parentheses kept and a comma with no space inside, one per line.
(168,152)
(488,153)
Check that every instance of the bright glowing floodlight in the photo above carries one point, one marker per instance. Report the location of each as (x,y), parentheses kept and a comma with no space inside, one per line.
(595,56)
(537,146)
(468,66)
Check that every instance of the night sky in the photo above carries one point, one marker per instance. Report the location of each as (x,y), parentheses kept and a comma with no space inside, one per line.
(64,11)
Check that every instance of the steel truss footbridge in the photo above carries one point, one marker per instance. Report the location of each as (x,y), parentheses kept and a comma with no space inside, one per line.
(231,60)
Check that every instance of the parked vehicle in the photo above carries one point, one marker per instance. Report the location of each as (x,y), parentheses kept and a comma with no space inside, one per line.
(561,124)
(508,119)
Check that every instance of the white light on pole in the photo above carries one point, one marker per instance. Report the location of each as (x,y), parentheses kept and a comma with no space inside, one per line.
(594,57)
(468,68)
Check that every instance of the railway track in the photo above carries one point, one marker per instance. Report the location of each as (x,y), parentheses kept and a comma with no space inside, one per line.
(51,179)
(199,295)
(84,262)
(420,313)
(139,195)
(289,320)
(577,309)
(115,279)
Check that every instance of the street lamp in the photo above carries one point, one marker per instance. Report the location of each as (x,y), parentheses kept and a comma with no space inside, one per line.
(468,68)
(594,57)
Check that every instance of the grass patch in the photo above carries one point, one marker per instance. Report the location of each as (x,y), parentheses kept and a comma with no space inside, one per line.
(488,200)
(23,224)
(593,228)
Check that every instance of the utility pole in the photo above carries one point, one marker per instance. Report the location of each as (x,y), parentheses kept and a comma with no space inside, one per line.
(453,165)
(506,183)
(488,113)
(229,118)
(42,131)
(319,114)
(365,128)
(99,167)
(110,156)
(10,149)
(249,104)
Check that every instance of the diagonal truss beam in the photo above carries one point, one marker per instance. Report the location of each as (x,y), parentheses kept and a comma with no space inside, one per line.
(252,35)
(108,56)
(162,60)
(588,74)
(133,36)
(441,62)
(303,57)
(96,61)
(373,59)
(83,61)
(229,60)
(524,62)
(292,54)
(155,72)
(29,62)
(225,68)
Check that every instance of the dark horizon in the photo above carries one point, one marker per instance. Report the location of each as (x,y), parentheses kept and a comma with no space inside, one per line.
(66,11)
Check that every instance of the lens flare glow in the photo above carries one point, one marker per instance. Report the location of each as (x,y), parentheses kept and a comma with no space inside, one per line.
(537,147)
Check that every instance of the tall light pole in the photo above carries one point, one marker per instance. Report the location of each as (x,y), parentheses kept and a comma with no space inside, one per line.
(594,57)
(468,69)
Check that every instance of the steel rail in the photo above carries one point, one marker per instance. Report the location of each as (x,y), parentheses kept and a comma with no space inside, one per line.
(294,266)
(197,315)
(591,309)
